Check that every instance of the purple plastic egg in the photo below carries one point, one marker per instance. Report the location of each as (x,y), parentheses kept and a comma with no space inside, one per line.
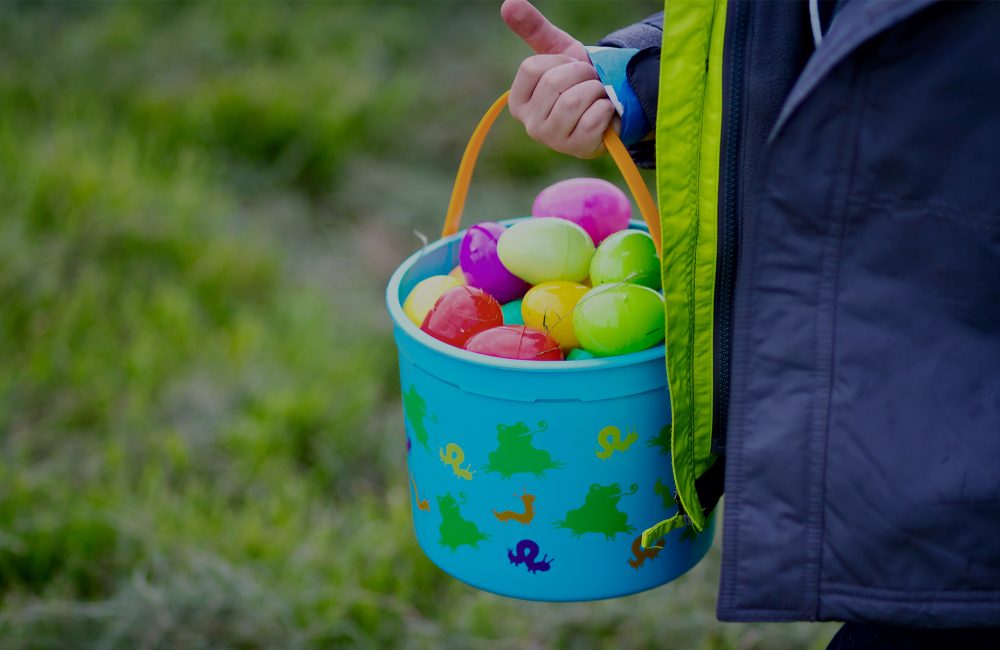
(482,267)
(596,205)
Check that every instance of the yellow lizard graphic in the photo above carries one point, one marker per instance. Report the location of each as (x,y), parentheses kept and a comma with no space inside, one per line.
(610,439)
(454,457)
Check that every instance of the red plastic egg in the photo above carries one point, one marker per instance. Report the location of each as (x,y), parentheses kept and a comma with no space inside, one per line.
(460,313)
(515,342)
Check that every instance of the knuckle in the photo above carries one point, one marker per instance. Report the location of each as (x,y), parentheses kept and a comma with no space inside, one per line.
(586,145)
(520,109)
(530,67)
(587,71)
(596,121)
(533,130)
(588,124)
(571,103)
(592,131)
(549,82)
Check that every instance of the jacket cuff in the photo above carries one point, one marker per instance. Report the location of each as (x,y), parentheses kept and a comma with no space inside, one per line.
(643,75)
(648,33)
(611,64)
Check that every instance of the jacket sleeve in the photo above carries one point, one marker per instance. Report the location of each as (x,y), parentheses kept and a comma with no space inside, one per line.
(643,74)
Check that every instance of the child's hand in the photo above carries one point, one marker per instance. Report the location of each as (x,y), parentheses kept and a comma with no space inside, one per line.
(556,93)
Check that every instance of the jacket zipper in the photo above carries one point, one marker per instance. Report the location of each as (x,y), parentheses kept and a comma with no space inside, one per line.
(725,271)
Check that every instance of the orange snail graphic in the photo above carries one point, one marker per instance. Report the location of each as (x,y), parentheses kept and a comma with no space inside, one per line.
(421,505)
(520,517)
(642,554)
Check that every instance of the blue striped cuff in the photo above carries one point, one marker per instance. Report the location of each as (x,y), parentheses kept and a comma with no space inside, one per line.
(611,64)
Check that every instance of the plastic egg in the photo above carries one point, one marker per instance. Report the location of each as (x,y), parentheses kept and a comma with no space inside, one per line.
(423,296)
(595,204)
(626,256)
(458,275)
(579,354)
(460,313)
(544,249)
(512,313)
(477,256)
(619,319)
(515,342)
(549,307)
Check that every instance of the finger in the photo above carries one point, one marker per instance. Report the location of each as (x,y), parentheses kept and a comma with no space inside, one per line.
(528,75)
(535,29)
(587,138)
(555,83)
(571,106)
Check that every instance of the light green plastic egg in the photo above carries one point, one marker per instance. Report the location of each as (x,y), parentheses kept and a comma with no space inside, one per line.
(626,256)
(425,294)
(546,248)
(619,319)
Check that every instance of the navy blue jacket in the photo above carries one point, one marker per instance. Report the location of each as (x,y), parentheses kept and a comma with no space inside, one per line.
(859,293)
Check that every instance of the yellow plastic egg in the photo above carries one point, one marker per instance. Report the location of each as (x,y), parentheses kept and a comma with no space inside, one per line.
(549,307)
(458,275)
(425,294)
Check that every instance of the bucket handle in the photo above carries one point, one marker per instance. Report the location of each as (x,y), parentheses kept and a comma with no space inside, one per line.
(611,141)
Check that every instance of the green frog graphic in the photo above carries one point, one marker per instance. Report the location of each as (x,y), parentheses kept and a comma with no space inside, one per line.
(666,494)
(516,453)
(662,440)
(599,512)
(455,529)
(415,409)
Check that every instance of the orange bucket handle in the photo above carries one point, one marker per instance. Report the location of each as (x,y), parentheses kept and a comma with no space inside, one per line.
(611,141)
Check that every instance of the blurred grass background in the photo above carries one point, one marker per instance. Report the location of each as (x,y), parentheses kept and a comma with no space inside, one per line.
(202,444)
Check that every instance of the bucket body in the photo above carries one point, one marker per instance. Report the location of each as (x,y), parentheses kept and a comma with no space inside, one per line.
(535,480)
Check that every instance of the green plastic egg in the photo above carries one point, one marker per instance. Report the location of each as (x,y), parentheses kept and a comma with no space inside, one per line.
(546,248)
(579,354)
(512,313)
(619,319)
(626,256)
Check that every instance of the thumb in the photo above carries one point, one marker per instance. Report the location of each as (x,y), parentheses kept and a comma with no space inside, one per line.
(535,29)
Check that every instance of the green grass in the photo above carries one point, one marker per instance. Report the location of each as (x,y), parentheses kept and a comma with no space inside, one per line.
(201,443)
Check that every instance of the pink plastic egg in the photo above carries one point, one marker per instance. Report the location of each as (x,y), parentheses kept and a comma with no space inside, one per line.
(482,267)
(595,204)
(515,342)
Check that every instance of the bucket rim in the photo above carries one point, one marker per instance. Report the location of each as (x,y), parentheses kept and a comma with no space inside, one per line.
(403,324)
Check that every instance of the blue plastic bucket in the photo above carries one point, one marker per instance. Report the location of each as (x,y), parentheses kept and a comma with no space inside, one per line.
(535,479)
